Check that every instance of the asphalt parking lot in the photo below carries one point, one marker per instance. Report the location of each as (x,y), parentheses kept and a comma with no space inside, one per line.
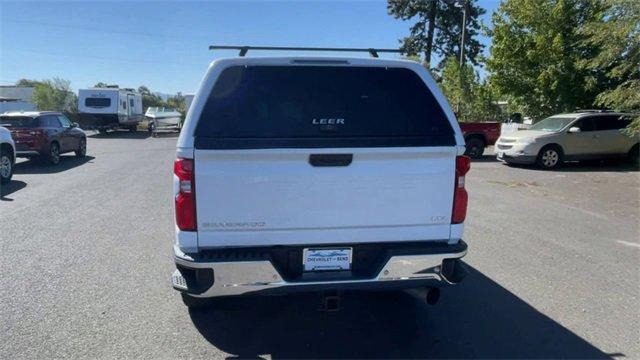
(86,258)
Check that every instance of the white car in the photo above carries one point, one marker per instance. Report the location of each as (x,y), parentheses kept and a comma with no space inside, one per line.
(569,137)
(7,155)
(316,174)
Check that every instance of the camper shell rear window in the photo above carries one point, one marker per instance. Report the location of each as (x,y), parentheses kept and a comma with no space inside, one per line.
(321,106)
(97,102)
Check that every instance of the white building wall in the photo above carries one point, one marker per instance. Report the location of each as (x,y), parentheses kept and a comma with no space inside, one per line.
(23,93)
(16,106)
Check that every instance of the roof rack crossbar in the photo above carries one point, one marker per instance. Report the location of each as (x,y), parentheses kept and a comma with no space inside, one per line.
(244,49)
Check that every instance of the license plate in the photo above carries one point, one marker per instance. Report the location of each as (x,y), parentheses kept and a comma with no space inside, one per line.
(326,259)
(500,154)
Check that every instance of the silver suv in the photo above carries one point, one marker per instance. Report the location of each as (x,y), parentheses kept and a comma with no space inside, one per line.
(566,137)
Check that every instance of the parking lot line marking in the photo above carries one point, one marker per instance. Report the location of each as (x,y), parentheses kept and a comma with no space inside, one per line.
(628,243)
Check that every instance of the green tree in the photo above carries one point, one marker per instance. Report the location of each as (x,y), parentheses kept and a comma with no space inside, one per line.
(55,94)
(485,103)
(438,26)
(150,99)
(537,52)
(456,84)
(101,85)
(144,90)
(177,102)
(617,39)
(471,99)
(27,82)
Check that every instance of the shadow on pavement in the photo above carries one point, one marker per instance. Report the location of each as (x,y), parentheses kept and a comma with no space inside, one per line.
(167,134)
(618,165)
(36,166)
(121,134)
(476,319)
(485,158)
(9,188)
(600,165)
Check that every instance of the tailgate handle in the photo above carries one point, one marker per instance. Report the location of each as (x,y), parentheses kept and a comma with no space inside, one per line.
(330,159)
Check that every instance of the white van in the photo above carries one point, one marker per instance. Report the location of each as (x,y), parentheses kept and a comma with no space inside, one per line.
(104,109)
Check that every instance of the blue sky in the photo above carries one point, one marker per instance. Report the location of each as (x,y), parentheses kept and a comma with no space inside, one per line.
(163,45)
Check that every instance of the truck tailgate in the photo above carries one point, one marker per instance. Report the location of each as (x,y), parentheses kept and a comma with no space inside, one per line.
(258,197)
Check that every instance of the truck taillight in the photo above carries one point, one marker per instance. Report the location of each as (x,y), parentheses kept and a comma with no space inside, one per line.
(186,198)
(460,197)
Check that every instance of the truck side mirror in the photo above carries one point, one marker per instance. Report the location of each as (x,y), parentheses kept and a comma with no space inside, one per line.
(574,129)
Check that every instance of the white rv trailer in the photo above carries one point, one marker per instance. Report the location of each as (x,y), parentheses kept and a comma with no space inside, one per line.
(103,109)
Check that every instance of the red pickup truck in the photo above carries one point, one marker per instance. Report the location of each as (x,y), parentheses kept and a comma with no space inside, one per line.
(478,135)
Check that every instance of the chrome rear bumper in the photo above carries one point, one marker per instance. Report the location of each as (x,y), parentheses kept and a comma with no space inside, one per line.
(230,278)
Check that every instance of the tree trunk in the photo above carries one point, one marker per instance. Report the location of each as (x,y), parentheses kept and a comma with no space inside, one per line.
(432,13)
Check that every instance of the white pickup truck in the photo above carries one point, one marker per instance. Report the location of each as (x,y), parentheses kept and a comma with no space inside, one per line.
(317,174)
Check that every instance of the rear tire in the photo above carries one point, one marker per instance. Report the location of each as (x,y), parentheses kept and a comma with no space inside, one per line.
(550,157)
(474,148)
(53,157)
(82,149)
(152,129)
(194,302)
(6,166)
